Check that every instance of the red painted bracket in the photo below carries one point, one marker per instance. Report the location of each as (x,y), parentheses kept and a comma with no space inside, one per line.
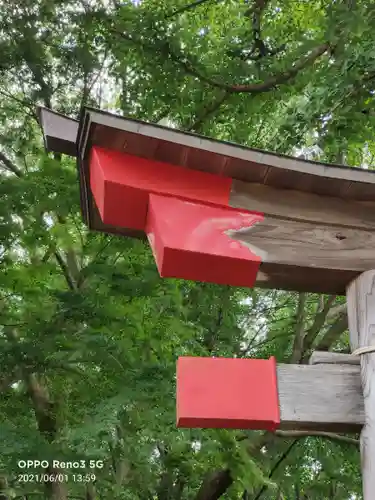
(189,241)
(227,393)
(185,214)
(121,184)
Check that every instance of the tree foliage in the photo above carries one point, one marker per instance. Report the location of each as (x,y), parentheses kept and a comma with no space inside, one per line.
(89,333)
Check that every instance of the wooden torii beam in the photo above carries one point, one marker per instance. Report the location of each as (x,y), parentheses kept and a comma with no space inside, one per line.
(260,394)
(222,213)
(312,224)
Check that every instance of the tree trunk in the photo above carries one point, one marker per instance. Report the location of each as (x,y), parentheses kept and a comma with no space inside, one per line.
(45,412)
(214,485)
(55,490)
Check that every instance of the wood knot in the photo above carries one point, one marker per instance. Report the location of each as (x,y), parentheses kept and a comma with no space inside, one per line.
(340,237)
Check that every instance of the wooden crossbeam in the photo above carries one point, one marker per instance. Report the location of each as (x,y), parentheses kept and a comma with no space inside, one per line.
(318,227)
(302,206)
(320,397)
(317,256)
(256,394)
(314,248)
(307,242)
(333,358)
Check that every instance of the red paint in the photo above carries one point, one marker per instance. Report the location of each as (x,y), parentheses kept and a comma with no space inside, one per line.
(121,183)
(189,241)
(227,393)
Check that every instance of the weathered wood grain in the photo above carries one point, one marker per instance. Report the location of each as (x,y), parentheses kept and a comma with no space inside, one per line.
(301,206)
(320,398)
(291,242)
(333,358)
(306,256)
(361,317)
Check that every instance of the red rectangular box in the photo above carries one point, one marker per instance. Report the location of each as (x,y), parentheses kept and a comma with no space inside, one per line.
(121,184)
(190,241)
(228,393)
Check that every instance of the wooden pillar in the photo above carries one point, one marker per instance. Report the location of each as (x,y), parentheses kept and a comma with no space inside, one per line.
(361,316)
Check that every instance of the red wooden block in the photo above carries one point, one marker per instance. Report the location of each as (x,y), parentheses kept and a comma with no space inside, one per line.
(227,393)
(189,241)
(121,183)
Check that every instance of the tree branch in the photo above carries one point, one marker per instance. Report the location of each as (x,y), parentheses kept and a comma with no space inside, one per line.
(9,165)
(6,381)
(72,265)
(318,323)
(328,435)
(165,48)
(337,310)
(252,88)
(276,466)
(65,270)
(29,105)
(190,6)
(209,110)
(333,333)
(71,257)
(300,329)
(299,435)
(216,483)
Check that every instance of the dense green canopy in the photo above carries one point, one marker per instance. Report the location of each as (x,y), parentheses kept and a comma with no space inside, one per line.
(89,333)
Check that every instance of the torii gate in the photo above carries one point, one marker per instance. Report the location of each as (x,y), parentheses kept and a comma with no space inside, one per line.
(221,213)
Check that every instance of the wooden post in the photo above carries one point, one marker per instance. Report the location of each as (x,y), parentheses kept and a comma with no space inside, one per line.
(361,315)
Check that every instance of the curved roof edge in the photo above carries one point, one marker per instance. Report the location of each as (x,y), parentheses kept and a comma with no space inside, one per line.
(68,136)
